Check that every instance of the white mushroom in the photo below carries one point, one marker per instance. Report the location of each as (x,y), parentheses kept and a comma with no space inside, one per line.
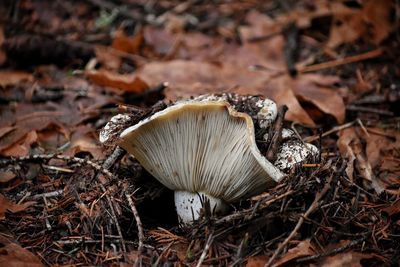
(201,148)
(292,151)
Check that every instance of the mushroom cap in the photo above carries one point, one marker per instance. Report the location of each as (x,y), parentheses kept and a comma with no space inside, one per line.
(202,146)
(294,152)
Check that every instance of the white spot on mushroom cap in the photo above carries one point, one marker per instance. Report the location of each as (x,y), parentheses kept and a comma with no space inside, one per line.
(286,134)
(106,132)
(267,114)
(294,152)
(188,205)
(202,146)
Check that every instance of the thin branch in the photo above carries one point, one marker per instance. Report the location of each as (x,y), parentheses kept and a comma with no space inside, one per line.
(206,247)
(312,207)
(137,218)
(342,61)
(334,251)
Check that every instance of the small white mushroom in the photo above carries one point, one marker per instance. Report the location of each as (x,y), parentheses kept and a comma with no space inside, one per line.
(292,151)
(201,148)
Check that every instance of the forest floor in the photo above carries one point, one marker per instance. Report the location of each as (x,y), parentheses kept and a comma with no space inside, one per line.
(68,66)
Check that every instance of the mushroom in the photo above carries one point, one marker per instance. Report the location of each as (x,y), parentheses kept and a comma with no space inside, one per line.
(292,151)
(202,148)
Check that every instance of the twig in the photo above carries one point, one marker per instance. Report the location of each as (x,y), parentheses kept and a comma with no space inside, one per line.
(55,156)
(251,211)
(291,34)
(334,251)
(114,217)
(117,154)
(341,61)
(241,250)
(157,263)
(333,130)
(137,218)
(277,134)
(312,207)
(370,110)
(206,247)
(49,194)
(109,5)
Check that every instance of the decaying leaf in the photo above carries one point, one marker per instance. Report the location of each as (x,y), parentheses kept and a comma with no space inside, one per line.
(371,22)
(346,259)
(188,78)
(8,78)
(6,205)
(351,148)
(257,261)
(127,44)
(22,147)
(84,139)
(6,176)
(304,248)
(13,255)
(126,83)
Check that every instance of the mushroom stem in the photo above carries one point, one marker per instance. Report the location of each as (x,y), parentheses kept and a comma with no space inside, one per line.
(188,205)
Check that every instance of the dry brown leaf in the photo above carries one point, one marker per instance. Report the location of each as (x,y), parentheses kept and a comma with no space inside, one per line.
(371,22)
(6,176)
(259,25)
(108,59)
(346,27)
(304,248)
(280,90)
(377,16)
(257,261)
(326,99)
(127,83)
(13,255)
(382,150)
(393,209)
(160,40)
(11,77)
(5,130)
(127,44)
(22,147)
(84,139)
(345,259)
(185,78)
(6,205)
(351,148)
(188,78)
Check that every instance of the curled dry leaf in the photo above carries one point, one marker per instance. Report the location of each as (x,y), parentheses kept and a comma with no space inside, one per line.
(6,205)
(13,255)
(126,83)
(352,150)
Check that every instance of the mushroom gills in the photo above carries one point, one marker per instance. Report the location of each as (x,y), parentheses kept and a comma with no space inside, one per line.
(205,148)
(189,205)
